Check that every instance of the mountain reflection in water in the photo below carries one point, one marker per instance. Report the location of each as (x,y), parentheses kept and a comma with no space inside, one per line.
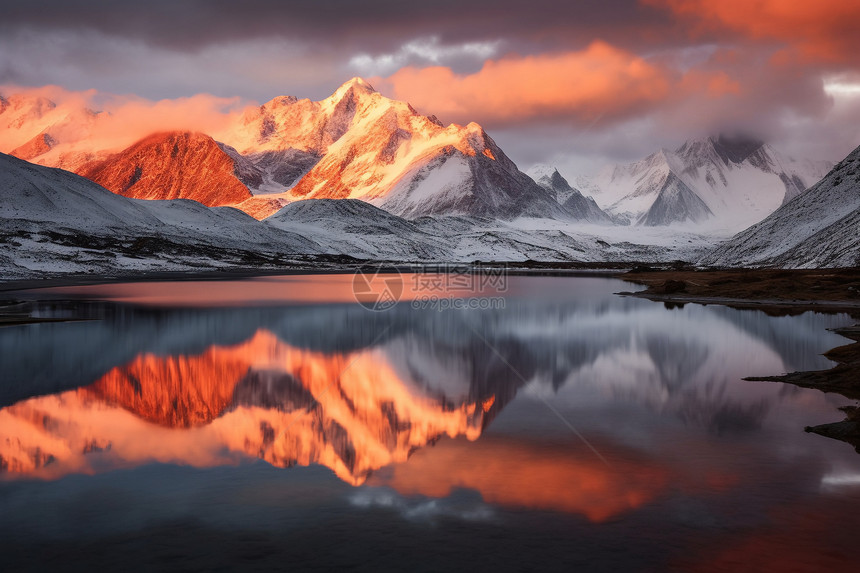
(570,401)
(351,412)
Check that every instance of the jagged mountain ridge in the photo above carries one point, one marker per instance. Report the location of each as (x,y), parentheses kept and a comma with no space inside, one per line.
(819,228)
(58,222)
(382,151)
(354,144)
(721,181)
(358,144)
(582,207)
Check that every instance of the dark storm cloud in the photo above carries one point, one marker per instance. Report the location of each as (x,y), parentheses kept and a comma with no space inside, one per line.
(370,25)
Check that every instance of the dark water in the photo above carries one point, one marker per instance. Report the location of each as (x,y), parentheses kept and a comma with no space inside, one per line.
(276,424)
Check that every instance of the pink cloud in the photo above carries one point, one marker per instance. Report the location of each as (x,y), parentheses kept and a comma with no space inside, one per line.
(599,82)
(122,119)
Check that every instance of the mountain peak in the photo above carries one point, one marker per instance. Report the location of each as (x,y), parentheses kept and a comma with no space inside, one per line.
(356,84)
(542,171)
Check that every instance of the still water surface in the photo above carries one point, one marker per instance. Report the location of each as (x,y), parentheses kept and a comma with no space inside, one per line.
(275,423)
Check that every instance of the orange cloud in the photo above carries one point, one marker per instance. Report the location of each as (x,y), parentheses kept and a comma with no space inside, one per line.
(201,112)
(824,30)
(600,80)
(123,119)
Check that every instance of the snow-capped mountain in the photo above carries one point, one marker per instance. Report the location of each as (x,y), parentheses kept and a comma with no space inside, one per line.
(33,126)
(581,207)
(355,144)
(358,144)
(58,222)
(717,182)
(820,228)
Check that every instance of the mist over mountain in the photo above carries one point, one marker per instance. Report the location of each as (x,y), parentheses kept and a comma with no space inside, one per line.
(714,182)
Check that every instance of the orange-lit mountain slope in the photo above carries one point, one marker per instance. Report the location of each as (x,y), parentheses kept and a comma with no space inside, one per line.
(173,391)
(354,144)
(175,165)
(380,150)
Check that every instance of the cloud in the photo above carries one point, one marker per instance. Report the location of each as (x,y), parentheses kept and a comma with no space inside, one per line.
(819,31)
(80,59)
(597,81)
(422,51)
(515,473)
(600,82)
(664,70)
(121,119)
(366,26)
(421,509)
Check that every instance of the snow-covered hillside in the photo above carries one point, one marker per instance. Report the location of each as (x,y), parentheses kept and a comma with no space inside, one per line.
(358,229)
(53,221)
(716,183)
(820,228)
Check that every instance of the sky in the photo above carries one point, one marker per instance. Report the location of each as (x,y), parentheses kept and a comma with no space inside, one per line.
(576,84)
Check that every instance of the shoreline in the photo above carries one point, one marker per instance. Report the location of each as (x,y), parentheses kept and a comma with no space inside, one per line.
(802,289)
(334,265)
(842,379)
(819,290)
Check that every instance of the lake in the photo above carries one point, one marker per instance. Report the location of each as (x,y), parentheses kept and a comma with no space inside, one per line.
(524,423)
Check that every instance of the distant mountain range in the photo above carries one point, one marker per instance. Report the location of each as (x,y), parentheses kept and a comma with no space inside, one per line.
(359,174)
(53,221)
(582,207)
(358,144)
(715,182)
